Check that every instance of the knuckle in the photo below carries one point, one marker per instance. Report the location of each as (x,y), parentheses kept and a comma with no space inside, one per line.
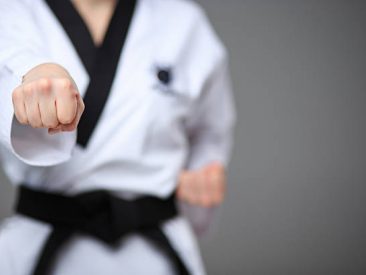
(82,105)
(69,94)
(45,82)
(44,85)
(66,83)
(73,93)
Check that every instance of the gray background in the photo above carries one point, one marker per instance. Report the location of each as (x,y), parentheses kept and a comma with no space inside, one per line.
(296,201)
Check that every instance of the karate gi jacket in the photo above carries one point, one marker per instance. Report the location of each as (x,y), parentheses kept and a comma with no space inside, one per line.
(149,130)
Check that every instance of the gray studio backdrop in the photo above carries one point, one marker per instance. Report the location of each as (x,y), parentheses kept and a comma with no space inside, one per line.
(297,197)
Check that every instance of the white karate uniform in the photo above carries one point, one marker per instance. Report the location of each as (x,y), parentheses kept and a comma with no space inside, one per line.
(146,135)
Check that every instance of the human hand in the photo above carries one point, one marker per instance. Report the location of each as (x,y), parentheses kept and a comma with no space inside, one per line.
(203,187)
(48,98)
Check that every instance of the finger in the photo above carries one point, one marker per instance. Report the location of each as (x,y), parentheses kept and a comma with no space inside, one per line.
(80,109)
(31,106)
(196,188)
(181,185)
(188,189)
(209,186)
(215,167)
(218,182)
(47,104)
(202,189)
(66,102)
(18,104)
(207,197)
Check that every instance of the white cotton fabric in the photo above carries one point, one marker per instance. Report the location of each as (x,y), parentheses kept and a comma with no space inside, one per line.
(146,135)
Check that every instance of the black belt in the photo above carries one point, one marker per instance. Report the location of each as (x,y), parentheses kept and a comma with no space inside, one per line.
(101,215)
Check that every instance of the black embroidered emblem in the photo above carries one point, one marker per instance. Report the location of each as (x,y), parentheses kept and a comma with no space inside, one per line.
(164,75)
(165,80)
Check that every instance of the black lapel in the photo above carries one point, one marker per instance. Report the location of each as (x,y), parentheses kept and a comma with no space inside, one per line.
(77,31)
(101,65)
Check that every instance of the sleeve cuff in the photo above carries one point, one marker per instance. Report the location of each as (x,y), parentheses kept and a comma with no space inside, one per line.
(200,218)
(32,146)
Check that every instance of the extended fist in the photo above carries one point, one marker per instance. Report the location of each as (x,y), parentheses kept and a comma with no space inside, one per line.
(204,187)
(48,98)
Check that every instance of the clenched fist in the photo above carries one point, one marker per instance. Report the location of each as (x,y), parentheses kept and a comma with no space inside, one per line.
(48,98)
(204,187)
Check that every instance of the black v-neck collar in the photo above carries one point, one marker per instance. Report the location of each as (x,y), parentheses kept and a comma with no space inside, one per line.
(100,62)
(76,29)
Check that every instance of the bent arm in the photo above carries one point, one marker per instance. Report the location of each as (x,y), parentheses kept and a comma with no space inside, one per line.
(211,138)
(21,50)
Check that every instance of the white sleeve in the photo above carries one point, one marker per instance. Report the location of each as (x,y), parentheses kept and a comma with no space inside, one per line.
(210,126)
(21,49)
(211,137)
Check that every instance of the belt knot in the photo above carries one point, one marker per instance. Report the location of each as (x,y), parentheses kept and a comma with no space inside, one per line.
(106,216)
